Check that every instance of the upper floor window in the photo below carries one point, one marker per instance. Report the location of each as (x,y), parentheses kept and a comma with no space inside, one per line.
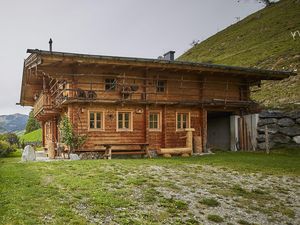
(110,84)
(96,120)
(182,121)
(154,121)
(161,86)
(124,121)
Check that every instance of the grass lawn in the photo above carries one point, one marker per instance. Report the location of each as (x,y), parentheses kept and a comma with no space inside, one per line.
(225,188)
(34,136)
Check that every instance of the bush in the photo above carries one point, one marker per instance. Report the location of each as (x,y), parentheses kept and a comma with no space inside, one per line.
(6,148)
(210,202)
(11,138)
(215,218)
(69,137)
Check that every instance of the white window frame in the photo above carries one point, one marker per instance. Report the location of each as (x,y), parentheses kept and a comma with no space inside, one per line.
(188,120)
(130,121)
(95,117)
(159,122)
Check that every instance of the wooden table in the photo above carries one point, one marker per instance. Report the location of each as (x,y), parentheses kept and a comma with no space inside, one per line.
(109,151)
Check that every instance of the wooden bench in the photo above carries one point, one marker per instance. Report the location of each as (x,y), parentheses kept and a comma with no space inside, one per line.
(143,149)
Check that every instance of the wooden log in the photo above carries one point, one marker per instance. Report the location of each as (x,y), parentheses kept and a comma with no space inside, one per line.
(51,150)
(176,151)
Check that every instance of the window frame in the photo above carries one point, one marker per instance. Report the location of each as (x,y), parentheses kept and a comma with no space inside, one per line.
(102,114)
(164,87)
(159,121)
(130,129)
(106,83)
(188,120)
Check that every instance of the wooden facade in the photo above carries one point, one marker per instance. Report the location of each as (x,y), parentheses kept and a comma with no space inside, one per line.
(133,100)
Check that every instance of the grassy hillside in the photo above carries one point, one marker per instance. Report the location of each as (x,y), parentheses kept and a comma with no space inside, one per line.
(33,136)
(261,40)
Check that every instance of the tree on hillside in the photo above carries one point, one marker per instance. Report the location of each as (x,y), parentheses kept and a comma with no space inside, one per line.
(12,138)
(32,123)
(266,2)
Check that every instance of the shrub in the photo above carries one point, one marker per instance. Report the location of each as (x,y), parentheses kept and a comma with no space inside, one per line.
(215,218)
(69,137)
(6,148)
(11,138)
(210,202)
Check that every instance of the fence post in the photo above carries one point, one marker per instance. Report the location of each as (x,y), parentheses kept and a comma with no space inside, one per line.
(267,139)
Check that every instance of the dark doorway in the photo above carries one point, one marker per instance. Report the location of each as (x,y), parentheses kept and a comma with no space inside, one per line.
(218,130)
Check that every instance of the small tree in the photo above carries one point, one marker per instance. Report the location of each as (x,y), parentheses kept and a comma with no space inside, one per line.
(32,123)
(12,139)
(72,140)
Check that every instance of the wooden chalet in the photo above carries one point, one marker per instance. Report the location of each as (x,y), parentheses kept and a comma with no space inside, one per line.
(122,100)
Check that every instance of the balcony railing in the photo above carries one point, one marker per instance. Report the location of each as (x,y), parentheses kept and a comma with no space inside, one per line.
(43,102)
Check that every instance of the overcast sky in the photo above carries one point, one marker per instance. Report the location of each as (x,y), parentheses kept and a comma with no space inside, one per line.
(137,28)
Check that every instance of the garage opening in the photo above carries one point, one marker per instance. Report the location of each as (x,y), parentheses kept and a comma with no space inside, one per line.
(218,130)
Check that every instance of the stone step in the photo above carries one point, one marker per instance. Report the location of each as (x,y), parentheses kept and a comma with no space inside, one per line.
(41,154)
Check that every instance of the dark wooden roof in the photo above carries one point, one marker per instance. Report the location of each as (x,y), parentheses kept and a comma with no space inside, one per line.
(269,74)
(46,59)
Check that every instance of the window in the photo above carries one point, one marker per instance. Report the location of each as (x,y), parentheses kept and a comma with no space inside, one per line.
(161,86)
(110,84)
(154,121)
(124,121)
(182,121)
(96,120)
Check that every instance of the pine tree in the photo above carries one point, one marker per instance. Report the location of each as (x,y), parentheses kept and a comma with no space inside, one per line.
(32,123)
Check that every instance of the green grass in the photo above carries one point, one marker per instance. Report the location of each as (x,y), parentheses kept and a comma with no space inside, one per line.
(34,136)
(215,218)
(261,40)
(210,202)
(275,163)
(131,191)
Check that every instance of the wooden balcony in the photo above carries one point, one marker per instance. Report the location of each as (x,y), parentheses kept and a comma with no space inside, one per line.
(43,107)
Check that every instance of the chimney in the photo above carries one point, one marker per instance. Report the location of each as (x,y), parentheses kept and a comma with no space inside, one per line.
(169,55)
(50,45)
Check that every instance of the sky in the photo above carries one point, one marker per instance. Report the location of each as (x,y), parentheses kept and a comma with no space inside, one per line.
(133,28)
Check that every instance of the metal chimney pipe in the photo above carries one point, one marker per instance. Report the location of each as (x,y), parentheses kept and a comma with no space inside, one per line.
(50,45)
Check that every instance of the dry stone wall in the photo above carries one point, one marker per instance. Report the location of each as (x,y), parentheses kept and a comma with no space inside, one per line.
(283,128)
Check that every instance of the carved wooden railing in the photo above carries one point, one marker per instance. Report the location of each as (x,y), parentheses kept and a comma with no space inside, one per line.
(43,102)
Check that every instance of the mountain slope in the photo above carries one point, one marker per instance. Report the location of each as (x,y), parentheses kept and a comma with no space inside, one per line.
(261,40)
(13,123)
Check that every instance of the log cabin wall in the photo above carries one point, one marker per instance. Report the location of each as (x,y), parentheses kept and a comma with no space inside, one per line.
(166,135)
(222,87)
(178,88)
(108,132)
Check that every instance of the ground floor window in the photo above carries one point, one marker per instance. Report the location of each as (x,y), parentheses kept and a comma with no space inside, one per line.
(124,121)
(154,121)
(96,120)
(182,120)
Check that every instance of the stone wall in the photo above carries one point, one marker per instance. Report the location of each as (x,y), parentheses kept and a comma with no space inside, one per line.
(283,128)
